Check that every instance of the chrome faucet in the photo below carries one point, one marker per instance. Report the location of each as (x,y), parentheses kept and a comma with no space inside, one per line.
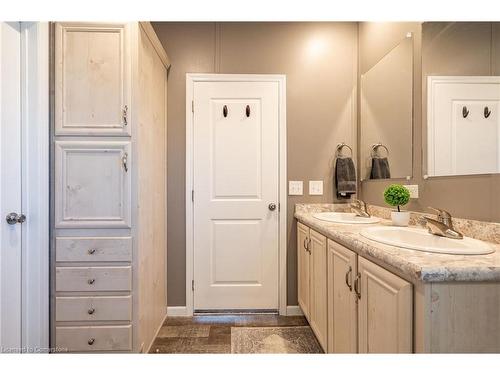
(443,226)
(359,208)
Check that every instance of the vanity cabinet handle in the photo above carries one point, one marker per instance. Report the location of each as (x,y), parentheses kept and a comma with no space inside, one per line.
(305,244)
(91,341)
(91,281)
(125,161)
(357,286)
(92,251)
(309,246)
(348,276)
(91,311)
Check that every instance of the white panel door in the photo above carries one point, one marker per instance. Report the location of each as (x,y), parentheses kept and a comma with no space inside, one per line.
(235,188)
(92,183)
(92,77)
(10,186)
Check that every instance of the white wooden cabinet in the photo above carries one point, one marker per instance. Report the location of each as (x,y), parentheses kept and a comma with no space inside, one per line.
(312,280)
(342,302)
(352,304)
(385,310)
(92,183)
(92,79)
(109,210)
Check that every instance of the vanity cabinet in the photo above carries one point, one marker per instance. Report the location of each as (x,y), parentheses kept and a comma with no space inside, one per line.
(109,203)
(352,304)
(312,280)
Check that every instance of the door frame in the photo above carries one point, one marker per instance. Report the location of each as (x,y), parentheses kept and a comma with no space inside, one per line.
(191,79)
(35,177)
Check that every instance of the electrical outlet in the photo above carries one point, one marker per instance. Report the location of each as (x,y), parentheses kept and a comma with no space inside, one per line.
(295,188)
(315,187)
(413,190)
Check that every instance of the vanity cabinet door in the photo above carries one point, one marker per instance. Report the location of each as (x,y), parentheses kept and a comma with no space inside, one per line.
(92,79)
(92,184)
(342,301)
(318,310)
(385,310)
(303,268)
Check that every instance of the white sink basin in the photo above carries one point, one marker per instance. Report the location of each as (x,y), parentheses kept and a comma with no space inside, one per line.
(422,240)
(345,218)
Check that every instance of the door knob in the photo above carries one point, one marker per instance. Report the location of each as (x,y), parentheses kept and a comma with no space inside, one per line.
(272,206)
(14,218)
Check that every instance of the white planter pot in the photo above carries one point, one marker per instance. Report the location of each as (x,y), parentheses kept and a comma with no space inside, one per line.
(400,219)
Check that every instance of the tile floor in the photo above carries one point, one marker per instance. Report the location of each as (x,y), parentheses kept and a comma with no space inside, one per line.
(215,334)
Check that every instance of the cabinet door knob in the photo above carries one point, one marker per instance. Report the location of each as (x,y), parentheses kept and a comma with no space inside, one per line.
(91,281)
(92,251)
(272,206)
(91,341)
(91,311)
(14,218)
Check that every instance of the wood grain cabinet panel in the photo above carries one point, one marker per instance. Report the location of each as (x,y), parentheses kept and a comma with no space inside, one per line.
(93,279)
(92,184)
(93,308)
(94,338)
(92,77)
(303,268)
(93,249)
(385,311)
(342,301)
(318,292)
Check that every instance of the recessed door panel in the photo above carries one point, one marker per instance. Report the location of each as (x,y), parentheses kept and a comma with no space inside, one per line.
(235,180)
(93,184)
(92,78)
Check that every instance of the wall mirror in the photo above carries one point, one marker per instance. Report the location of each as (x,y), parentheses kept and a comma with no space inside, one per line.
(460,98)
(387,115)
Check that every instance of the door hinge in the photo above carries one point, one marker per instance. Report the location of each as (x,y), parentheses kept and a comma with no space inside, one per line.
(192,106)
(192,195)
(192,285)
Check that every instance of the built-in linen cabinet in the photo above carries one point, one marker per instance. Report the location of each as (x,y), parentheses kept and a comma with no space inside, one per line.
(352,304)
(109,210)
(312,280)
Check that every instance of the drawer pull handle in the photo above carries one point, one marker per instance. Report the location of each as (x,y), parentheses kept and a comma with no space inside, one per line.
(91,281)
(91,311)
(348,276)
(92,251)
(91,341)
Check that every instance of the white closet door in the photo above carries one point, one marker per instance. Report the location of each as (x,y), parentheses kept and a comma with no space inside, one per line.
(92,184)
(10,186)
(92,76)
(236,195)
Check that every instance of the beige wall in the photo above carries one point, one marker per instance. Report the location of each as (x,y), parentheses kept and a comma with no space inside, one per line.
(319,60)
(472,51)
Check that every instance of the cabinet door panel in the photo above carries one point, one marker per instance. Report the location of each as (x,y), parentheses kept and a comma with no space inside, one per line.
(92,79)
(318,291)
(303,268)
(385,311)
(92,184)
(342,301)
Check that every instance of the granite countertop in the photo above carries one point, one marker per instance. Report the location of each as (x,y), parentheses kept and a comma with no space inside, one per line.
(416,265)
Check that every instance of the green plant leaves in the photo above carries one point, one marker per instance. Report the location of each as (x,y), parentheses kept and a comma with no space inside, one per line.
(396,195)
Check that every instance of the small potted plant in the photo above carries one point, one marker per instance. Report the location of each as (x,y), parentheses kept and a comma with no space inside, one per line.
(397,195)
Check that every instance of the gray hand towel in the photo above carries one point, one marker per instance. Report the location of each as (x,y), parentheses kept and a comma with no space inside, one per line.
(345,177)
(380,169)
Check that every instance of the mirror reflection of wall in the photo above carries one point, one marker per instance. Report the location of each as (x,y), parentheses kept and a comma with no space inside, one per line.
(461,98)
(386,115)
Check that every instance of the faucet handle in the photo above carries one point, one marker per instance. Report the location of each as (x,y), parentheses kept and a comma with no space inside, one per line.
(441,213)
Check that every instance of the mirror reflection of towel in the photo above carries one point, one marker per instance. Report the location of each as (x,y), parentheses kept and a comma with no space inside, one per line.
(380,169)
(345,177)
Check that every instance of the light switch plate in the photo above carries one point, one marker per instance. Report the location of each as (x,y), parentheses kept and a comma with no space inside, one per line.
(295,188)
(413,190)
(315,187)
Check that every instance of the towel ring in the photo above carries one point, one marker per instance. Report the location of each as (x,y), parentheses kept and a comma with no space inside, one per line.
(340,146)
(375,148)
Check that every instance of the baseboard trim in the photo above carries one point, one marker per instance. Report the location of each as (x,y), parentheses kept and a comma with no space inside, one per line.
(177,311)
(294,311)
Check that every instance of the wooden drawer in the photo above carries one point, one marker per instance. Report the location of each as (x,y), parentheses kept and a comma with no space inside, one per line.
(94,338)
(96,249)
(93,308)
(93,279)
